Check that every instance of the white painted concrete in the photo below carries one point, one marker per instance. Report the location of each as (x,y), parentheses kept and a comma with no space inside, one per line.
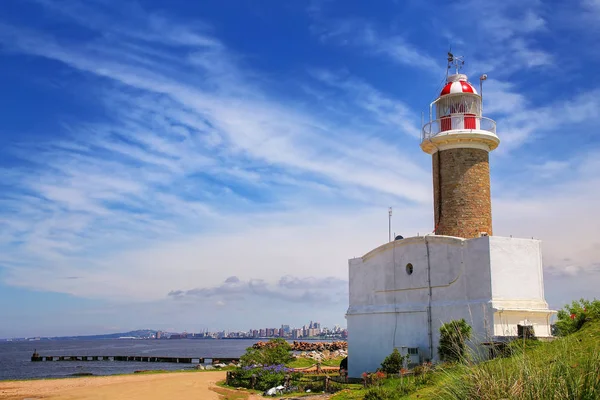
(494,283)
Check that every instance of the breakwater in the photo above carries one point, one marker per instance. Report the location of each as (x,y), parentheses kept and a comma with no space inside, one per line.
(308,346)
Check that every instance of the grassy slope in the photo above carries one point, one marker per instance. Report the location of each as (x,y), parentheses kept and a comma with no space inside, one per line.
(306,362)
(527,374)
(540,371)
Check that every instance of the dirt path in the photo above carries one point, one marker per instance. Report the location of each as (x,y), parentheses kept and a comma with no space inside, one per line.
(125,387)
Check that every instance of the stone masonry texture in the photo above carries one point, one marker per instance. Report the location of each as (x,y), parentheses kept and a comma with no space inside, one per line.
(461,192)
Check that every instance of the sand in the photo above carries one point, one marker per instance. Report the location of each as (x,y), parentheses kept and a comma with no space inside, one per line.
(189,385)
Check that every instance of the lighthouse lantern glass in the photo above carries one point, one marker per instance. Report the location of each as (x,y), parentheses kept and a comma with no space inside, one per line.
(458,104)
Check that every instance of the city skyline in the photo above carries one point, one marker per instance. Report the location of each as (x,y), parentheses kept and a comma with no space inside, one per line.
(310,330)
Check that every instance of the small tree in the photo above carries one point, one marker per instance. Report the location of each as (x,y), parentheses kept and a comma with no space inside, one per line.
(393,363)
(572,316)
(275,352)
(453,336)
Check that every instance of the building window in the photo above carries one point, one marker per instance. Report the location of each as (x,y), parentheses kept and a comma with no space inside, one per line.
(413,351)
(409,268)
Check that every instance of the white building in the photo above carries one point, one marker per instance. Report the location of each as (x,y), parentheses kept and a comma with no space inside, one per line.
(403,291)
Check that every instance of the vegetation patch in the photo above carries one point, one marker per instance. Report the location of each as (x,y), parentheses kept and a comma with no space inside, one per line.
(453,338)
(566,368)
(229,394)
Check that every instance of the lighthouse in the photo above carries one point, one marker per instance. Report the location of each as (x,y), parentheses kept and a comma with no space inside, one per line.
(460,140)
(402,292)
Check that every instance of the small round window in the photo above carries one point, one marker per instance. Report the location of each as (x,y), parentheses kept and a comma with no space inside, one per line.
(409,268)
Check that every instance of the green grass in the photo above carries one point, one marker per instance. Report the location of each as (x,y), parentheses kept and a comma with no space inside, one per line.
(229,394)
(390,388)
(307,362)
(567,368)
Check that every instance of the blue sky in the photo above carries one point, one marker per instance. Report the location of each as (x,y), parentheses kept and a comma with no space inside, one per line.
(213,165)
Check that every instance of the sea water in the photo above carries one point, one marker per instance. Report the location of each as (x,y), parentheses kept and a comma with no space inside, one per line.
(15,357)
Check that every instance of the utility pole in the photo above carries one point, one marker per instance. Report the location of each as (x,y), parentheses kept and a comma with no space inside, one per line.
(390,223)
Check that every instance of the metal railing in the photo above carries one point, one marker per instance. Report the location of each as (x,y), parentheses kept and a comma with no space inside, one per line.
(454,122)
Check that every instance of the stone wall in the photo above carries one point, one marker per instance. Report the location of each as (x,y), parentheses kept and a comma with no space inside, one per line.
(461,190)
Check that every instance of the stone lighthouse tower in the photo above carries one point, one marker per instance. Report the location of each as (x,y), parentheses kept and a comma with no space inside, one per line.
(459,140)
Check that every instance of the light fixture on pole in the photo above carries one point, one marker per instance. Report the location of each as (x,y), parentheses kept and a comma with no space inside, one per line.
(481,79)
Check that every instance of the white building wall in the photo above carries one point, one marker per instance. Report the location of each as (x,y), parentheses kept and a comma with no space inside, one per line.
(516,266)
(388,307)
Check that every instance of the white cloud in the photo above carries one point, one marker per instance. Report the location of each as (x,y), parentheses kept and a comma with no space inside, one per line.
(388,111)
(152,188)
(503,98)
(519,122)
(308,290)
(561,213)
(592,6)
(551,168)
(360,34)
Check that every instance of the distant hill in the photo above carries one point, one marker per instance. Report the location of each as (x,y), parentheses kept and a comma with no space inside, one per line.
(138,334)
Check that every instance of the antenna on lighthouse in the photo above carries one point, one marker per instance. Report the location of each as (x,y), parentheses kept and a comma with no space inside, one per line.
(455,61)
(390,223)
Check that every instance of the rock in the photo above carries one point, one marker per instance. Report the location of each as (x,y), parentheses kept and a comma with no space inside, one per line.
(309,346)
(200,367)
(271,392)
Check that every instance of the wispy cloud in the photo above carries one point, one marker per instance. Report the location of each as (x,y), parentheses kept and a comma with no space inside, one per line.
(506,34)
(308,290)
(560,212)
(391,113)
(187,150)
(356,33)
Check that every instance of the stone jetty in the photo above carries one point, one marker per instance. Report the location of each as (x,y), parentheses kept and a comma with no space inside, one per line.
(308,346)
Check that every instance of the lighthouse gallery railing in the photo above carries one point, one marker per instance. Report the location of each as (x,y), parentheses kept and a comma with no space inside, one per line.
(461,122)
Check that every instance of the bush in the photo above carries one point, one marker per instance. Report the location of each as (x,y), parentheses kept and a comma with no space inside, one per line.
(453,337)
(393,363)
(373,378)
(276,352)
(573,316)
(264,377)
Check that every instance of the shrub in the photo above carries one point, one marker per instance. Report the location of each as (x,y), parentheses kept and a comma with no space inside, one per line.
(264,377)
(393,363)
(277,351)
(453,336)
(572,316)
(374,378)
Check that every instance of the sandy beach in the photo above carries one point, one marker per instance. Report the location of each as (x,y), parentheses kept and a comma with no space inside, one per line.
(127,387)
